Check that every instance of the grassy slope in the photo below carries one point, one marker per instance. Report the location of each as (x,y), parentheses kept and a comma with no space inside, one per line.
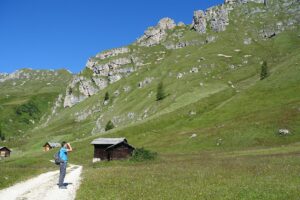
(251,160)
(258,163)
(42,88)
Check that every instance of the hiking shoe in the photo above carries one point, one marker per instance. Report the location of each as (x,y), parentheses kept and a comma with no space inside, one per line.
(62,187)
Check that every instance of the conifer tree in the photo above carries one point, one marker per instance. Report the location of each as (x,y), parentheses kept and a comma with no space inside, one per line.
(106,97)
(160,94)
(110,125)
(264,71)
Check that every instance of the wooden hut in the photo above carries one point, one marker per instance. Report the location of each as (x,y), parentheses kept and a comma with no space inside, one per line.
(4,152)
(50,145)
(111,149)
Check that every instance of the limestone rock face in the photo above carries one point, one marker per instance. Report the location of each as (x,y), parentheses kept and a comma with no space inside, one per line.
(218,18)
(108,69)
(82,87)
(199,21)
(215,17)
(155,35)
(166,23)
(85,87)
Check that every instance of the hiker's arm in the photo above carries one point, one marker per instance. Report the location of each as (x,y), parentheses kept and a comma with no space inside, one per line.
(69,147)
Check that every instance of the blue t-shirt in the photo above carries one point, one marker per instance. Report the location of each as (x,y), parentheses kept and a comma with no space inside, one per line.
(63,154)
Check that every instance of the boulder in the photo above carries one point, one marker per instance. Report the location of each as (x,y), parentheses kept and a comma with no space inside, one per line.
(247,41)
(284,132)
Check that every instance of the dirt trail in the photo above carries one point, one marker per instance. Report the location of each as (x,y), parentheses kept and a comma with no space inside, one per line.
(44,187)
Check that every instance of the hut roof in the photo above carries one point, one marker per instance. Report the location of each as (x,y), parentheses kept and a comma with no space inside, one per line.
(114,145)
(5,148)
(110,141)
(53,144)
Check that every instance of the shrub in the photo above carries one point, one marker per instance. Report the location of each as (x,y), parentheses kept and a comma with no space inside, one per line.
(264,71)
(110,125)
(160,95)
(141,154)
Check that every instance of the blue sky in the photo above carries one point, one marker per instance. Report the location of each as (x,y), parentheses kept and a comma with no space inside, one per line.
(54,34)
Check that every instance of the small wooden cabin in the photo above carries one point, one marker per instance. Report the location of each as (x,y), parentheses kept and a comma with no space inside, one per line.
(50,145)
(4,152)
(111,149)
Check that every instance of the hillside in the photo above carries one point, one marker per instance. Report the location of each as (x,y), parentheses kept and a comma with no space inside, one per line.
(216,130)
(28,97)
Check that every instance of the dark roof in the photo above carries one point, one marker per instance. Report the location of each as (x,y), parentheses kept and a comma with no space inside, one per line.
(125,143)
(53,144)
(111,141)
(5,148)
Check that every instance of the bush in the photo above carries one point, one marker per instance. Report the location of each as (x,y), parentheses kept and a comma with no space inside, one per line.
(141,154)
(110,125)
(160,95)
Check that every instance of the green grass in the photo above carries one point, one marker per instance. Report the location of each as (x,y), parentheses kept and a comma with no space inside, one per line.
(195,176)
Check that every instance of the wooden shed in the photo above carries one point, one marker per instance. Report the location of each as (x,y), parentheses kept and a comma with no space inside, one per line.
(111,149)
(50,145)
(4,152)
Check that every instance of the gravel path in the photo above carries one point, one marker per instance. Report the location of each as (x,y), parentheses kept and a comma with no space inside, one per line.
(44,187)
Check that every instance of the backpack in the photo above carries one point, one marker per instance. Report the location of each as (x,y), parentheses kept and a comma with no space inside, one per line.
(57,159)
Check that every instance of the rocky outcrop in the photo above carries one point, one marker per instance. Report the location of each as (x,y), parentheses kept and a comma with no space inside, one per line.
(244,1)
(79,89)
(199,21)
(111,67)
(155,35)
(19,74)
(112,53)
(216,18)
(104,74)
(166,23)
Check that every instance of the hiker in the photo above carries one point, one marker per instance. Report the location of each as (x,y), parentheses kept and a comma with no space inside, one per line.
(63,154)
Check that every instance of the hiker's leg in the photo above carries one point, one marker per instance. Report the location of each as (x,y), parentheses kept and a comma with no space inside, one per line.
(62,173)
